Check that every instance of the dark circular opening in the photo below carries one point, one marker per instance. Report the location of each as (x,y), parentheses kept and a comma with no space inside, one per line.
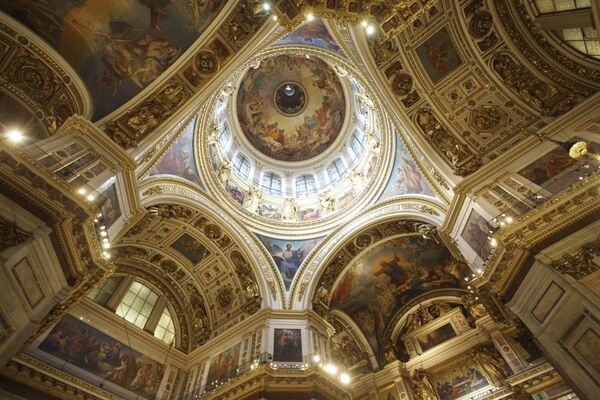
(290,98)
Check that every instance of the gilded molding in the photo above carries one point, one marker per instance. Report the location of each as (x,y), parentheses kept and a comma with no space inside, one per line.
(580,263)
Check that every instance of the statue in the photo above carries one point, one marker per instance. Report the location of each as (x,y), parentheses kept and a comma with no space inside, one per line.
(373,141)
(290,211)
(213,136)
(358,180)
(326,202)
(493,368)
(224,172)
(422,386)
(253,199)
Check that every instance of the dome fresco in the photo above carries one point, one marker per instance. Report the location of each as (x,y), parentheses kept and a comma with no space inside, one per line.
(291,108)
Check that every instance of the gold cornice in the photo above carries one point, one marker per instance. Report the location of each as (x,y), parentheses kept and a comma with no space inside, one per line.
(517,240)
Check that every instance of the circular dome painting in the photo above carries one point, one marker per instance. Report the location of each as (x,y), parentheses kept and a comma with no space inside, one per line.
(291,108)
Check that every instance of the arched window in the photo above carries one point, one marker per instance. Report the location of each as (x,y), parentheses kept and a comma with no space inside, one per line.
(102,294)
(552,6)
(335,171)
(271,184)
(305,185)
(137,304)
(224,138)
(165,330)
(241,167)
(584,40)
(356,143)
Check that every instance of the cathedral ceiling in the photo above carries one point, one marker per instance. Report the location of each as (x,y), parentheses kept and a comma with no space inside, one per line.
(204,271)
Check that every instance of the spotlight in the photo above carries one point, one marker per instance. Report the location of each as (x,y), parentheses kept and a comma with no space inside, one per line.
(106,245)
(266,6)
(103,233)
(274,17)
(99,215)
(478,270)
(370,30)
(105,240)
(15,135)
(81,191)
(316,358)
(509,220)
(330,369)
(364,24)
(466,279)
(90,197)
(344,378)
(310,17)
(494,242)
(102,227)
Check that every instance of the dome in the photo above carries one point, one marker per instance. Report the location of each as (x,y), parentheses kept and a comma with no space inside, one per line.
(291,108)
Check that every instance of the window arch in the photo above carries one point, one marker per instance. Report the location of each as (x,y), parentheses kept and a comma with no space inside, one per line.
(552,6)
(336,171)
(138,304)
(224,138)
(241,167)
(305,185)
(356,143)
(271,183)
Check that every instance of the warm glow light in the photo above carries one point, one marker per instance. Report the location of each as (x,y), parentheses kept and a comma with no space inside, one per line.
(316,358)
(344,378)
(494,242)
(310,17)
(364,24)
(90,197)
(103,233)
(266,6)
(370,30)
(274,17)
(105,240)
(509,220)
(106,245)
(102,227)
(81,191)
(330,369)
(15,135)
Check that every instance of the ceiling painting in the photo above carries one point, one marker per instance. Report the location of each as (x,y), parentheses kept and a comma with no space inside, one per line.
(406,177)
(179,159)
(476,233)
(291,108)
(438,55)
(313,33)
(388,276)
(288,255)
(118,47)
(190,248)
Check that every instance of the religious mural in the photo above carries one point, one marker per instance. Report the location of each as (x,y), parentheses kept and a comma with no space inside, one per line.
(461,380)
(235,192)
(118,47)
(438,55)
(386,277)
(288,255)
(435,337)
(476,233)
(405,177)
(313,33)
(291,108)
(556,171)
(111,211)
(287,345)
(224,366)
(100,358)
(190,248)
(179,160)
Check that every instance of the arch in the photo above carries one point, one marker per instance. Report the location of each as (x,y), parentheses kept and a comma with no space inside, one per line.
(420,208)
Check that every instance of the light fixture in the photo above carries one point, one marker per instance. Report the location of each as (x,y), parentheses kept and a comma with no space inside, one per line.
(90,197)
(266,6)
(105,240)
(344,378)
(275,18)
(103,233)
(316,358)
(509,220)
(466,279)
(15,135)
(330,369)
(310,17)
(102,227)
(478,270)
(494,242)
(81,191)
(106,245)
(370,29)
(364,23)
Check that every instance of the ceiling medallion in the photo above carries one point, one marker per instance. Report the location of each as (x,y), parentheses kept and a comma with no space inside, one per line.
(290,98)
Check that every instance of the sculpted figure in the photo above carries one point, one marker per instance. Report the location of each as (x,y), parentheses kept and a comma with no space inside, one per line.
(290,211)
(493,368)
(422,386)
(253,199)
(358,180)
(224,172)
(326,202)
